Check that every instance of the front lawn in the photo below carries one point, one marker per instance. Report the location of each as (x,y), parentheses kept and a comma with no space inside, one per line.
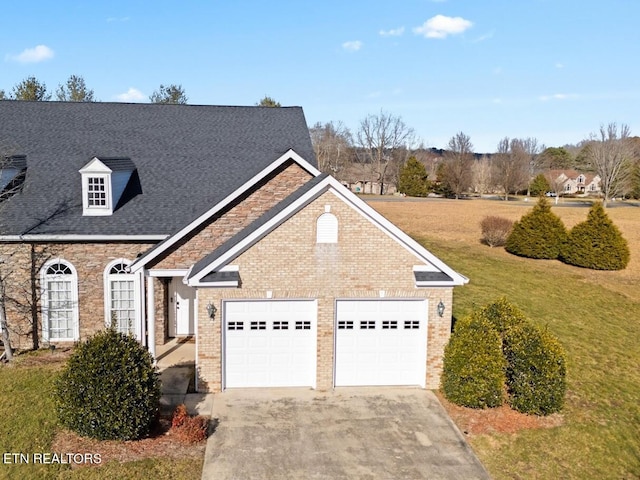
(29,426)
(599,328)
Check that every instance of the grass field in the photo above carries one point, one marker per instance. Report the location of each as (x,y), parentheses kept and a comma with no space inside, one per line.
(29,426)
(596,315)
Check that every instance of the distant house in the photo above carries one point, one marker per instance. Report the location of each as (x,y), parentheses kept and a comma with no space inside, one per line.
(569,182)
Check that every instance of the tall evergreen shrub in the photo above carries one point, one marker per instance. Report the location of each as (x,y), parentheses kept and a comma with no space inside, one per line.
(538,234)
(596,243)
(473,366)
(413,179)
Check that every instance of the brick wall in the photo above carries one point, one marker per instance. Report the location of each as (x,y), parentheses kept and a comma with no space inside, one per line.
(89,260)
(280,184)
(289,264)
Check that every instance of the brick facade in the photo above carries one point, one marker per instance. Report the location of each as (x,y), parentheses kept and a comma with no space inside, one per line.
(89,260)
(234,218)
(288,263)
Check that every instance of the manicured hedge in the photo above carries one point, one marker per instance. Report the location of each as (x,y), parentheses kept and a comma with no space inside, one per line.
(596,243)
(109,388)
(474,368)
(538,234)
(497,349)
(536,370)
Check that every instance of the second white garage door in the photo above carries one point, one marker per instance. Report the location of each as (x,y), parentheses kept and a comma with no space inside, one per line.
(270,343)
(381,342)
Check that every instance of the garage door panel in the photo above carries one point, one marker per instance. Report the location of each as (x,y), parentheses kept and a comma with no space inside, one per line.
(386,345)
(276,348)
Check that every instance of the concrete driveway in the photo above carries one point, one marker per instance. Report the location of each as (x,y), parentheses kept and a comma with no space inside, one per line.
(345,434)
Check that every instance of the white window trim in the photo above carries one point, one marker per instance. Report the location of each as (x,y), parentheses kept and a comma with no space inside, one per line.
(45,300)
(137,330)
(95,210)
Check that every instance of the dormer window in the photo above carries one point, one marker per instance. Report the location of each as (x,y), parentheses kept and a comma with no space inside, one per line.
(103,182)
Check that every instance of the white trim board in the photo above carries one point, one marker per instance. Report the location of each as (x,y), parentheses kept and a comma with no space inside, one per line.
(156,251)
(332,185)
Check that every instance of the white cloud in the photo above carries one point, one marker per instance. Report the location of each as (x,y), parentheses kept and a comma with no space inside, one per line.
(131,95)
(396,91)
(39,53)
(559,65)
(374,94)
(118,19)
(394,32)
(497,70)
(442,26)
(352,46)
(558,96)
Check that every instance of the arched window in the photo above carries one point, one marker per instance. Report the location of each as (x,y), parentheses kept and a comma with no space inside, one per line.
(327,228)
(59,282)
(120,296)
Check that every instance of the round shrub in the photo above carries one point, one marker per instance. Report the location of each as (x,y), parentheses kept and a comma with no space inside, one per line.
(109,388)
(538,234)
(502,315)
(596,243)
(536,370)
(473,367)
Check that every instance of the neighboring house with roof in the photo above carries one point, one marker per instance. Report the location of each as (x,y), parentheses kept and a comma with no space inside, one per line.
(569,182)
(212,222)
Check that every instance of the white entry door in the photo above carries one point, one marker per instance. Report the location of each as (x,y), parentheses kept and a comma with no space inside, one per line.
(181,309)
(381,342)
(270,343)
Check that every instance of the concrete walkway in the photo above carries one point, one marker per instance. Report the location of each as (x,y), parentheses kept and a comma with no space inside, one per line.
(176,364)
(363,433)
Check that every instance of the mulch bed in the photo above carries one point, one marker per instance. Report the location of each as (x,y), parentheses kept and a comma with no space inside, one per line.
(502,419)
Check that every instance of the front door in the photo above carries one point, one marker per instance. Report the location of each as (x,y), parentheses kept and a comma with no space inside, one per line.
(181,309)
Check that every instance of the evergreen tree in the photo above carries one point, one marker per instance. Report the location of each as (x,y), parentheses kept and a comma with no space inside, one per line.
(539,186)
(538,234)
(413,179)
(596,243)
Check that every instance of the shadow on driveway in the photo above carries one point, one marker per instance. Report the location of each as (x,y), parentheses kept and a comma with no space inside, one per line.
(362,433)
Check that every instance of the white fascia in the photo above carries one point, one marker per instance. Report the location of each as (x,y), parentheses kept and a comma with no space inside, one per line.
(289,155)
(359,206)
(80,238)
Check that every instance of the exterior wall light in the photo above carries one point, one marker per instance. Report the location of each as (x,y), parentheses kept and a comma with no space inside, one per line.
(211,310)
(440,309)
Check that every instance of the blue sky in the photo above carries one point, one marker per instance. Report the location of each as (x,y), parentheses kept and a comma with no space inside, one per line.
(550,69)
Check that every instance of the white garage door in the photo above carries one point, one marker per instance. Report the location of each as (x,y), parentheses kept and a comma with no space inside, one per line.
(270,343)
(381,342)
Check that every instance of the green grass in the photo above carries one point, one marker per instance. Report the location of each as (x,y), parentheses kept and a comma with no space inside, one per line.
(28,425)
(600,330)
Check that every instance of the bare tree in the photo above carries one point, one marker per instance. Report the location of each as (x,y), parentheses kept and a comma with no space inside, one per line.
(511,165)
(379,138)
(332,144)
(610,154)
(481,175)
(456,173)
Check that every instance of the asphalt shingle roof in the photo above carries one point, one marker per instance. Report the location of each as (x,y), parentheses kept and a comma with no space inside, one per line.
(188,157)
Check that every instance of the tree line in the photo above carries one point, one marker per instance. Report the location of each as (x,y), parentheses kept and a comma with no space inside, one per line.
(385,151)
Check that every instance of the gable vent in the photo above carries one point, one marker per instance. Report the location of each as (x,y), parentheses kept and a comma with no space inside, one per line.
(327,228)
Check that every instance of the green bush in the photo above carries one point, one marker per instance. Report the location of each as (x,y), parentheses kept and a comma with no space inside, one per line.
(109,388)
(539,186)
(536,370)
(412,180)
(596,243)
(502,315)
(473,367)
(539,234)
